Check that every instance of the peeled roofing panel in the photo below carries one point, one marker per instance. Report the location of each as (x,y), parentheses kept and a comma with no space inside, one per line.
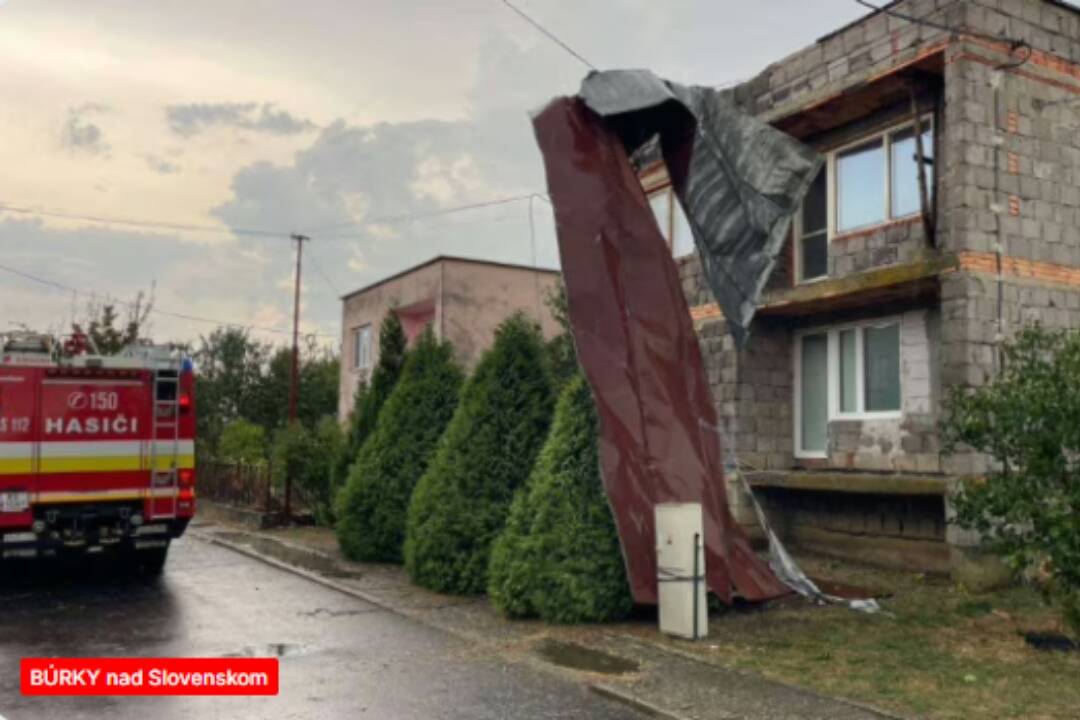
(637,345)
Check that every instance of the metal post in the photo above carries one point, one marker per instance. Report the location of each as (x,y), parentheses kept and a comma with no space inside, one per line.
(920,161)
(294,378)
(697,579)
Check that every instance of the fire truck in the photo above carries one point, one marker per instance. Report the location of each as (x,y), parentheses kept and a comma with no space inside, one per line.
(97,453)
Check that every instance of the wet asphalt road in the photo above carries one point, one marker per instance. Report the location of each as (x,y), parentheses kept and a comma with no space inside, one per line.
(343,658)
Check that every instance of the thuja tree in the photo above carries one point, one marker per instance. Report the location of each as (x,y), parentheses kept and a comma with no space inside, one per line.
(371,507)
(1028,421)
(370,398)
(461,503)
(559,556)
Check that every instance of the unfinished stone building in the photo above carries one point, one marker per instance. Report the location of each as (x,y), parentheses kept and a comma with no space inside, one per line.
(887,296)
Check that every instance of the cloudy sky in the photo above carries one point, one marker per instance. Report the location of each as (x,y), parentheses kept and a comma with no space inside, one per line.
(338,118)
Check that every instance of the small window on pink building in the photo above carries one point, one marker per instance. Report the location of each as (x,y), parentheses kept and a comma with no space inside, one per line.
(414,318)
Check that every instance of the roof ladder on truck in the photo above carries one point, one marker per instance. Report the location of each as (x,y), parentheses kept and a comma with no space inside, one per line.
(165,451)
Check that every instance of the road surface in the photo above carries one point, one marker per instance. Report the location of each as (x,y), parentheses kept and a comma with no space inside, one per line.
(340,657)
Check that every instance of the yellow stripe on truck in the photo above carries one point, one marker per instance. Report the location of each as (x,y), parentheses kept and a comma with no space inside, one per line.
(122,463)
(16,466)
(57,497)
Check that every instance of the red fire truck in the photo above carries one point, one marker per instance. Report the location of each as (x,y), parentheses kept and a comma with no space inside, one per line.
(96,453)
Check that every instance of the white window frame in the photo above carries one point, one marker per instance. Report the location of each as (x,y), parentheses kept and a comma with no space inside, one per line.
(832,333)
(832,193)
(359,332)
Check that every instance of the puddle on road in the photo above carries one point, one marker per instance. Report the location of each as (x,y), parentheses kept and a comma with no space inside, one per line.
(326,612)
(280,650)
(579,657)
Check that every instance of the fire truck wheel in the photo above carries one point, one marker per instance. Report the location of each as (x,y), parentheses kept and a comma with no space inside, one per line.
(151,561)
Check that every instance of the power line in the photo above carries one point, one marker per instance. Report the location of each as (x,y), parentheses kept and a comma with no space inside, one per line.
(550,35)
(407,217)
(318,268)
(146,224)
(182,316)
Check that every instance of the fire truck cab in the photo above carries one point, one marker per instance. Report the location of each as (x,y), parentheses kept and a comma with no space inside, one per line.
(97,453)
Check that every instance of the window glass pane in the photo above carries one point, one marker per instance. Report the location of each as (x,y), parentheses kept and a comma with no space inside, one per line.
(848,398)
(683,241)
(881,367)
(815,215)
(363,347)
(814,397)
(661,207)
(860,186)
(905,171)
(815,256)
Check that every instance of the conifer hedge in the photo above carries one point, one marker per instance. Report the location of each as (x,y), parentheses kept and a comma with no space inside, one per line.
(461,502)
(372,506)
(370,398)
(559,557)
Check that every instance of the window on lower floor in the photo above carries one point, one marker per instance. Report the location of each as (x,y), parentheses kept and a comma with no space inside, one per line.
(847,372)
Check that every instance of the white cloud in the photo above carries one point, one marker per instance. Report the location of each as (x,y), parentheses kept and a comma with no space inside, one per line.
(365,111)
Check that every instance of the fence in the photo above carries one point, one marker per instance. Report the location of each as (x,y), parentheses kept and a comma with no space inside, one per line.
(248,486)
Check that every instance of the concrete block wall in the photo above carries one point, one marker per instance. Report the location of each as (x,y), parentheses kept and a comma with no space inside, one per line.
(846,58)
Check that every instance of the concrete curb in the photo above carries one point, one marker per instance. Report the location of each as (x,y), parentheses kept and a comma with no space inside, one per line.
(647,708)
(290,568)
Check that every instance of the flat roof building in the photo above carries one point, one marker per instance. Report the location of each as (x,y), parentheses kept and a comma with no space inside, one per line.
(464,300)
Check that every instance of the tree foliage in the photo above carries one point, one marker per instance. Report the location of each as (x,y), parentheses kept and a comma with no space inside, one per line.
(559,350)
(1028,422)
(371,396)
(371,508)
(559,556)
(239,377)
(108,332)
(461,503)
(304,456)
(244,442)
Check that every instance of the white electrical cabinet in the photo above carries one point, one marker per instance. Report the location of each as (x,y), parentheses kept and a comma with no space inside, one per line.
(680,564)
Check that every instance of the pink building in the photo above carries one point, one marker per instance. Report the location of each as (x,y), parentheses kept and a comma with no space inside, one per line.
(463,300)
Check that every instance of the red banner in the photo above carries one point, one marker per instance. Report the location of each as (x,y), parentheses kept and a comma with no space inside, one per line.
(149,676)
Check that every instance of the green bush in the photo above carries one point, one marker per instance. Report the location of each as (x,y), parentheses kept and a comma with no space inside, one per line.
(559,556)
(305,457)
(370,398)
(1028,421)
(559,350)
(371,507)
(461,502)
(243,442)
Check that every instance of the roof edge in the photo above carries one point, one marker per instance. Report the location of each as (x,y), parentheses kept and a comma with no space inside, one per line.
(446,258)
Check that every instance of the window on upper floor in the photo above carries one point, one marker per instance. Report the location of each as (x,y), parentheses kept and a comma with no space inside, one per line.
(868,182)
(362,347)
(844,372)
(672,221)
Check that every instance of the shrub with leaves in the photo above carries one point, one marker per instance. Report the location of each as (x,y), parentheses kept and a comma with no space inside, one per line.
(561,354)
(243,442)
(304,456)
(371,507)
(461,503)
(370,398)
(1028,421)
(559,556)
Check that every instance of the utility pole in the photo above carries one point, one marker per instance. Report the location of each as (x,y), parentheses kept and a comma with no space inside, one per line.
(294,375)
